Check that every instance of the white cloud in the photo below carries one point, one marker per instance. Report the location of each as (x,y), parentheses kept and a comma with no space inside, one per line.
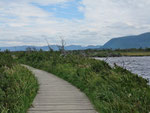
(105,13)
(104,19)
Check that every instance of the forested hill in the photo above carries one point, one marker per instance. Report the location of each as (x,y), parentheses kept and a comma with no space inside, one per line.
(137,41)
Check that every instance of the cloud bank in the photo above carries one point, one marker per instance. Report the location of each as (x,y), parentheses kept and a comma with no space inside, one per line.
(85,22)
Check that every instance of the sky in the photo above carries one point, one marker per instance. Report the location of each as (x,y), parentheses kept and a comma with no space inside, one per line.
(78,22)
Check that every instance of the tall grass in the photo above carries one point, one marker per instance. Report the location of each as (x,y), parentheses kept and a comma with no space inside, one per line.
(111,90)
(18,86)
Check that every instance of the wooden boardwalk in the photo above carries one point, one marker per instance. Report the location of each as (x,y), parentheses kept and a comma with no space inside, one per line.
(58,96)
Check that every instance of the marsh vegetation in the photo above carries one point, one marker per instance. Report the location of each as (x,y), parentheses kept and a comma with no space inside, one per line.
(111,90)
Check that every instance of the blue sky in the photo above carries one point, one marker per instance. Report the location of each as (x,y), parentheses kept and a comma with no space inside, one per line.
(84,22)
(69,10)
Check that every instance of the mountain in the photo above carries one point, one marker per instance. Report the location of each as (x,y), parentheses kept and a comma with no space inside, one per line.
(137,41)
(45,48)
(79,47)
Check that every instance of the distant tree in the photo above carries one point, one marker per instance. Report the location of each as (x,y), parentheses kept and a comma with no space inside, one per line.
(28,49)
(62,46)
(7,51)
(147,49)
(41,50)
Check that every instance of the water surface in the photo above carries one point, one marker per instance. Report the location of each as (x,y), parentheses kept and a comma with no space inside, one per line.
(137,65)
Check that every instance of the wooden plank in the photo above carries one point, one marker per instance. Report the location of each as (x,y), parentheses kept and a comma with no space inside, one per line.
(58,96)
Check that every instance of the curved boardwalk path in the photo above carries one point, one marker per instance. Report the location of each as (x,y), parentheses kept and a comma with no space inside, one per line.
(58,96)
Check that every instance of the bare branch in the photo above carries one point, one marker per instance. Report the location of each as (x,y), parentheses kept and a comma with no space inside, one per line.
(62,46)
(50,49)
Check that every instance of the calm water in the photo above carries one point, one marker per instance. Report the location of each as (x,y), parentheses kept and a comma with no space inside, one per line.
(137,65)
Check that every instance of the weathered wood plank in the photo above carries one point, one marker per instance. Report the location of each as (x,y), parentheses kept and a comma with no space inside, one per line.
(58,96)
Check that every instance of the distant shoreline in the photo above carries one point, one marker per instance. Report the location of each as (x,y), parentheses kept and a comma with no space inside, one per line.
(124,56)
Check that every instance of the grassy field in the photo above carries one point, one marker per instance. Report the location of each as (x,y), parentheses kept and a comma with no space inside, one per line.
(135,53)
(18,86)
(114,53)
(111,90)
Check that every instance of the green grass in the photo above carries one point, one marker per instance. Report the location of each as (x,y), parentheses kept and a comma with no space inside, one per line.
(18,86)
(111,90)
(115,53)
(135,53)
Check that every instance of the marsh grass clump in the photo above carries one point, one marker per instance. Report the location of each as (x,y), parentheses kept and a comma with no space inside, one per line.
(111,90)
(18,86)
